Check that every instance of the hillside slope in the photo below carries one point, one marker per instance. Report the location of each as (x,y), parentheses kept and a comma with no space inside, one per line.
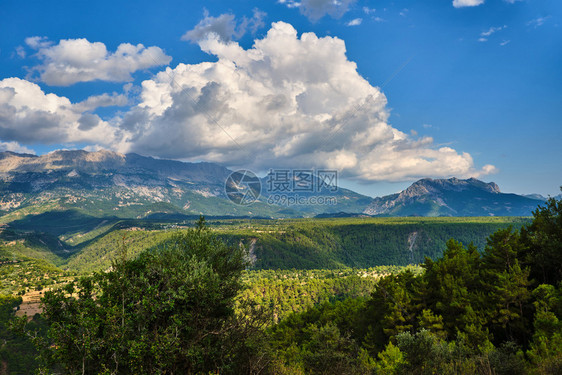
(311,243)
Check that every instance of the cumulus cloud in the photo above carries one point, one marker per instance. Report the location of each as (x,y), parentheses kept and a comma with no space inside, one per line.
(467,3)
(28,115)
(78,60)
(316,9)
(224,26)
(285,102)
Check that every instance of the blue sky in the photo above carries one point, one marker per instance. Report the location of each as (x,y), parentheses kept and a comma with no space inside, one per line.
(386,92)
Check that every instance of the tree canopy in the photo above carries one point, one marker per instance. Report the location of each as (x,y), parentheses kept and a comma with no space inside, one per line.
(170,310)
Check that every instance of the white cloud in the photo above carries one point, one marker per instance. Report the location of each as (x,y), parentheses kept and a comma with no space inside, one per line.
(484,35)
(473,3)
(492,30)
(103,100)
(28,115)
(503,43)
(316,9)
(538,22)
(224,26)
(355,22)
(290,3)
(20,52)
(78,60)
(256,22)
(368,10)
(467,3)
(15,147)
(286,102)
(38,42)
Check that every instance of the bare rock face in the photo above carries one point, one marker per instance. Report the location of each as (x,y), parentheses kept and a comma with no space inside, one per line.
(61,160)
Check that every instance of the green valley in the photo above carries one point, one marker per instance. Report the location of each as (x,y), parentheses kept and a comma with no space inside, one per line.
(83,243)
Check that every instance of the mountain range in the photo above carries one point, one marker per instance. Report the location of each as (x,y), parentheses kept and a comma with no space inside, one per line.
(106,183)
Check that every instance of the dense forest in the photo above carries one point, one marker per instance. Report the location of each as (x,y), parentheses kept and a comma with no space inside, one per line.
(284,292)
(495,312)
(274,244)
(188,305)
(78,243)
(373,242)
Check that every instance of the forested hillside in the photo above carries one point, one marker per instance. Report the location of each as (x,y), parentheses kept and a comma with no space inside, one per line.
(361,242)
(274,244)
(496,312)
(189,306)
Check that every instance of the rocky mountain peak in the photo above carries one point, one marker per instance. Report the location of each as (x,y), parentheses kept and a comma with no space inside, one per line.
(451,197)
(428,185)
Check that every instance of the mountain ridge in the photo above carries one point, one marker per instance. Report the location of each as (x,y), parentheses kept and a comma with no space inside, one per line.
(452,197)
(129,185)
(117,182)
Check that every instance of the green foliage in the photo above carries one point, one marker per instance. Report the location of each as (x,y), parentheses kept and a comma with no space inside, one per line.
(19,274)
(358,242)
(469,312)
(170,310)
(85,243)
(390,361)
(187,305)
(543,240)
(17,353)
(284,292)
(546,347)
(319,341)
(98,254)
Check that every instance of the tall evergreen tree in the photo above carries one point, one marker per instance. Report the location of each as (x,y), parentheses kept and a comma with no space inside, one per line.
(543,237)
